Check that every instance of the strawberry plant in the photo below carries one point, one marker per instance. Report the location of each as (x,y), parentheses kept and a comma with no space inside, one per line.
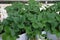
(30,20)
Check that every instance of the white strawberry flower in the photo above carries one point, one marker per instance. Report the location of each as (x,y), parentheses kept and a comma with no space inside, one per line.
(26,4)
(43,32)
(58,12)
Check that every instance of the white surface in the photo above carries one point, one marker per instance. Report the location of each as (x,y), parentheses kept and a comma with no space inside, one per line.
(3,12)
(0,38)
(51,36)
(22,37)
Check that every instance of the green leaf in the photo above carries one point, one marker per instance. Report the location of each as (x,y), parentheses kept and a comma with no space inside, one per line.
(8,37)
(1,28)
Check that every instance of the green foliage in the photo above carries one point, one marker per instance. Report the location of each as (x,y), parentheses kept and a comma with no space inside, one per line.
(30,19)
